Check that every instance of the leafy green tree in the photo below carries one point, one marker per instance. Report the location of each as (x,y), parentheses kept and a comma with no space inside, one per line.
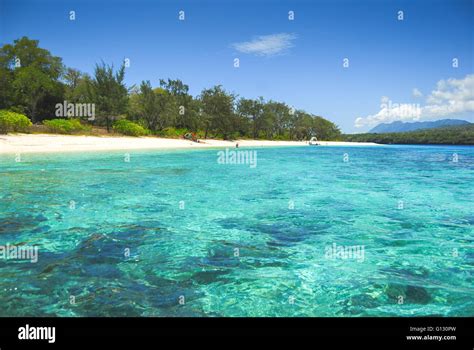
(175,87)
(302,126)
(6,82)
(150,108)
(78,86)
(30,78)
(193,119)
(72,77)
(218,109)
(254,111)
(277,117)
(324,129)
(187,111)
(155,108)
(108,91)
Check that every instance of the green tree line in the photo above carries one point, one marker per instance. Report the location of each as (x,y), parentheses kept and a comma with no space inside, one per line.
(460,135)
(33,81)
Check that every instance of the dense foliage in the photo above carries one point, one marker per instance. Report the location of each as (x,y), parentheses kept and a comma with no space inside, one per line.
(33,81)
(65,126)
(13,122)
(129,128)
(461,135)
(30,79)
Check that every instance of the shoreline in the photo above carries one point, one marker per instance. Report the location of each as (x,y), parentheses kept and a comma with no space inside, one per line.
(55,143)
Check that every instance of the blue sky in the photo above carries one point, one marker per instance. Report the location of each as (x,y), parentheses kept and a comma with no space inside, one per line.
(299,62)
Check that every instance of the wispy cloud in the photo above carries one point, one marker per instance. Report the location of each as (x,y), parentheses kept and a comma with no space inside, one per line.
(452,97)
(266,45)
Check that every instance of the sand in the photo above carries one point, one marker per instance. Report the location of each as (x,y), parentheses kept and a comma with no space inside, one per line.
(46,143)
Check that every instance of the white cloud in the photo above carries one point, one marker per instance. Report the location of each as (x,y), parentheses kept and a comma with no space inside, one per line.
(452,97)
(416,93)
(266,45)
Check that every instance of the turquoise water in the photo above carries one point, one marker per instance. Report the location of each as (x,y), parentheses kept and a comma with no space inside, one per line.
(175,233)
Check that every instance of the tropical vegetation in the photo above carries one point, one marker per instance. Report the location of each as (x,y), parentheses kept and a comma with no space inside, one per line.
(461,135)
(13,122)
(65,126)
(33,82)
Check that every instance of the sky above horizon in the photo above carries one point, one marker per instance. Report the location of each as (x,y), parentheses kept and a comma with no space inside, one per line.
(397,69)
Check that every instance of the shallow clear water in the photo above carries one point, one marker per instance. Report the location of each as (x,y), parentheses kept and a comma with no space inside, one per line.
(244,241)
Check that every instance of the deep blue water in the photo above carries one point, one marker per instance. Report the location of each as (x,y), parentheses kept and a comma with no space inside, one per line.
(175,233)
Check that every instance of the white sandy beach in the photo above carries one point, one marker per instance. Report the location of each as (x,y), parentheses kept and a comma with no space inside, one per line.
(46,143)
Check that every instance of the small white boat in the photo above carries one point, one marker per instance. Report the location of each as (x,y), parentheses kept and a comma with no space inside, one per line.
(313,141)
